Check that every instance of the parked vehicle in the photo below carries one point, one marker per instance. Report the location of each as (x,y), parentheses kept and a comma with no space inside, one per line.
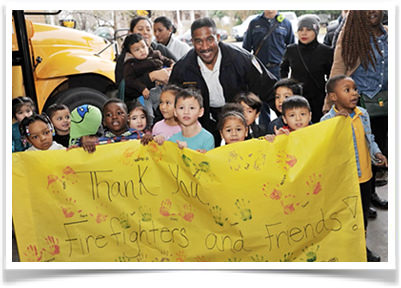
(238,31)
(58,64)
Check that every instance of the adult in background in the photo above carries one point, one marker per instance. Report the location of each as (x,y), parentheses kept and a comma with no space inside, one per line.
(220,71)
(362,54)
(163,30)
(143,26)
(310,63)
(330,39)
(268,36)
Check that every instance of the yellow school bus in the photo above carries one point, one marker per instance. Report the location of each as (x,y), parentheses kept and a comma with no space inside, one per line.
(55,64)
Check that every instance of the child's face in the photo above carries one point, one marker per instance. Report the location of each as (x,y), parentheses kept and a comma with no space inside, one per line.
(61,121)
(345,95)
(167,105)
(306,35)
(233,130)
(282,93)
(249,113)
(140,50)
(40,135)
(188,111)
(115,118)
(297,118)
(137,119)
(24,111)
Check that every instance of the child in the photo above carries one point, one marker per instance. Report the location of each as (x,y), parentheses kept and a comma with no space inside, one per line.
(233,127)
(283,89)
(296,115)
(86,127)
(38,131)
(22,107)
(343,92)
(60,116)
(188,108)
(139,61)
(252,106)
(138,117)
(115,122)
(169,125)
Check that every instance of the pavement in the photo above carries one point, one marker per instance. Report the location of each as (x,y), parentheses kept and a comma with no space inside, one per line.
(377,231)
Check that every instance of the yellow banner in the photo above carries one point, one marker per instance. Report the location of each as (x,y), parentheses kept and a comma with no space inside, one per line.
(296,199)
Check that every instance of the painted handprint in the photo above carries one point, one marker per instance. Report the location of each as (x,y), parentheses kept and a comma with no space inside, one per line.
(146,213)
(245,212)
(286,161)
(180,256)
(216,213)
(288,257)
(165,208)
(69,208)
(69,175)
(33,254)
(274,194)
(188,213)
(155,149)
(127,156)
(313,183)
(99,218)
(310,253)
(124,221)
(258,258)
(53,245)
(54,184)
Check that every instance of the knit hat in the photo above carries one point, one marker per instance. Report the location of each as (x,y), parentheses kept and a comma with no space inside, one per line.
(310,22)
(85,120)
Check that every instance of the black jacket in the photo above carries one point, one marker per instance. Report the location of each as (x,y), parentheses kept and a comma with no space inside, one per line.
(238,72)
(318,58)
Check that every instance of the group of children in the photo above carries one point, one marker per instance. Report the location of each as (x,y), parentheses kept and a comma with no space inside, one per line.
(87,126)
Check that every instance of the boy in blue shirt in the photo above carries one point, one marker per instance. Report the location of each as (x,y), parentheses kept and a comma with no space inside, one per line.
(342,92)
(188,108)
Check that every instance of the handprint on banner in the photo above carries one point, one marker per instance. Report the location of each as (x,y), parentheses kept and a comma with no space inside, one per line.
(255,160)
(53,245)
(258,258)
(124,221)
(33,254)
(216,213)
(196,168)
(314,184)
(69,209)
(274,194)
(69,175)
(121,259)
(201,258)
(188,213)
(234,259)
(310,253)
(132,155)
(288,257)
(245,212)
(146,213)
(180,256)
(155,150)
(165,208)
(100,217)
(286,161)
(54,184)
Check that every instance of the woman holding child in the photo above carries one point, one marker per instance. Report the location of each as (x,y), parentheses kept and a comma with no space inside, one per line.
(143,26)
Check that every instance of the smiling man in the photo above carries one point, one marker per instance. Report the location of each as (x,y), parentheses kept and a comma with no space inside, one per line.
(220,71)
